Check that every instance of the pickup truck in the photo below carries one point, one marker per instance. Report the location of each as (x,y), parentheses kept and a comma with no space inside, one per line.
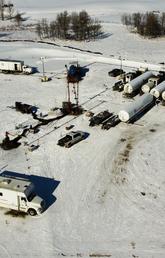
(71,138)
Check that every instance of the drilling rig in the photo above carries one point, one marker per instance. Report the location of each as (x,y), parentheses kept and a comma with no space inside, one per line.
(73,78)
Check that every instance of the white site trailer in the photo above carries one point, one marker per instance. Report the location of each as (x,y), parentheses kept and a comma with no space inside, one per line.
(157,91)
(136,83)
(131,111)
(19,194)
(14,66)
(152,82)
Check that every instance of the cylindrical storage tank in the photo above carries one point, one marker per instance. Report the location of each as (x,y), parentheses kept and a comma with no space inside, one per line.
(157,91)
(136,107)
(136,83)
(163,95)
(147,87)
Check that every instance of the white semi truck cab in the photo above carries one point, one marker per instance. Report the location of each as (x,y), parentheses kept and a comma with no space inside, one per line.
(27,69)
(19,194)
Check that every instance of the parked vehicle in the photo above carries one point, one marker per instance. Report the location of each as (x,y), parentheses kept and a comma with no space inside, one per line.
(25,108)
(118,86)
(99,118)
(14,66)
(115,72)
(152,82)
(19,194)
(71,138)
(134,74)
(158,90)
(136,108)
(126,78)
(111,122)
(135,84)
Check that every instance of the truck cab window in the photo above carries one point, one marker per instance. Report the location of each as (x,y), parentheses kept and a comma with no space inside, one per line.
(1,194)
(23,199)
(31,196)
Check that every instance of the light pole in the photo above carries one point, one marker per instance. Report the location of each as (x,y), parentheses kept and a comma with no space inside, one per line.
(120,58)
(43,66)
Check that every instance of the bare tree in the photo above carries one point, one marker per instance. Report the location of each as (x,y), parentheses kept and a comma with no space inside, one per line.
(95,29)
(45,28)
(75,26)
(153,28)
(63,22)
(162,22)
(18,19)
(10,8)
(2,2)
(39,30)
(84,20)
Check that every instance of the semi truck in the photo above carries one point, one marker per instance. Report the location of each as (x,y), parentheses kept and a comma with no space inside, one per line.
(127,78)
(137,107)
(14,66)
(136,83)
(153,82)
(19,194)
(158,90)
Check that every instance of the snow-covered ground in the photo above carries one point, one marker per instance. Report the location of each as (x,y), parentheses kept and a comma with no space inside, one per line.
(108,189)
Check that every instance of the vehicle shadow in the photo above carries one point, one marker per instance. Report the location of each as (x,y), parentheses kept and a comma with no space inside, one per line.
(35,69)
(86,135)
(44,186)
(104,35)
(4,34)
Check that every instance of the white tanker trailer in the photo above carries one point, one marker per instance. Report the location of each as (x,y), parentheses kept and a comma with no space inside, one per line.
(163,95)
(157,91)
(136,83)
(130,112)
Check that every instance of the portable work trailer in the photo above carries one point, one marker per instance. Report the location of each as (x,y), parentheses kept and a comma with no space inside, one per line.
(19,194)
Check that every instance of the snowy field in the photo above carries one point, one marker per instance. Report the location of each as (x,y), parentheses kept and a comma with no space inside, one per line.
(108,190)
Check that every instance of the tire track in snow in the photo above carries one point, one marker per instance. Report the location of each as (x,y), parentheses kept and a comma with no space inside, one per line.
(4,252)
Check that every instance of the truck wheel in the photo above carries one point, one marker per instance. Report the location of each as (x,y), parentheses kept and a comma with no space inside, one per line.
(32,212)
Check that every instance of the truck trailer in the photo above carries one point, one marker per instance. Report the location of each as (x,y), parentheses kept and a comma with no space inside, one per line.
(163,95)
(137,107)
(19,194)
(14,66)
(136,83)
(152,82)
(158,90)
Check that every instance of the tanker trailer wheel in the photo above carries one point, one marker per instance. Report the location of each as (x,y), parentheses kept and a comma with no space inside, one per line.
(68,145)
(32,212)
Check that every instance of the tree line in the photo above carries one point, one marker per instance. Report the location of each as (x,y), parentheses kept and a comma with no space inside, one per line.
(148,24)
(8,12)
(77,26)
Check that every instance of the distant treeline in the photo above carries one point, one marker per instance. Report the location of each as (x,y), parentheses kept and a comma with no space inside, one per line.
(148,24)
(77,26)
